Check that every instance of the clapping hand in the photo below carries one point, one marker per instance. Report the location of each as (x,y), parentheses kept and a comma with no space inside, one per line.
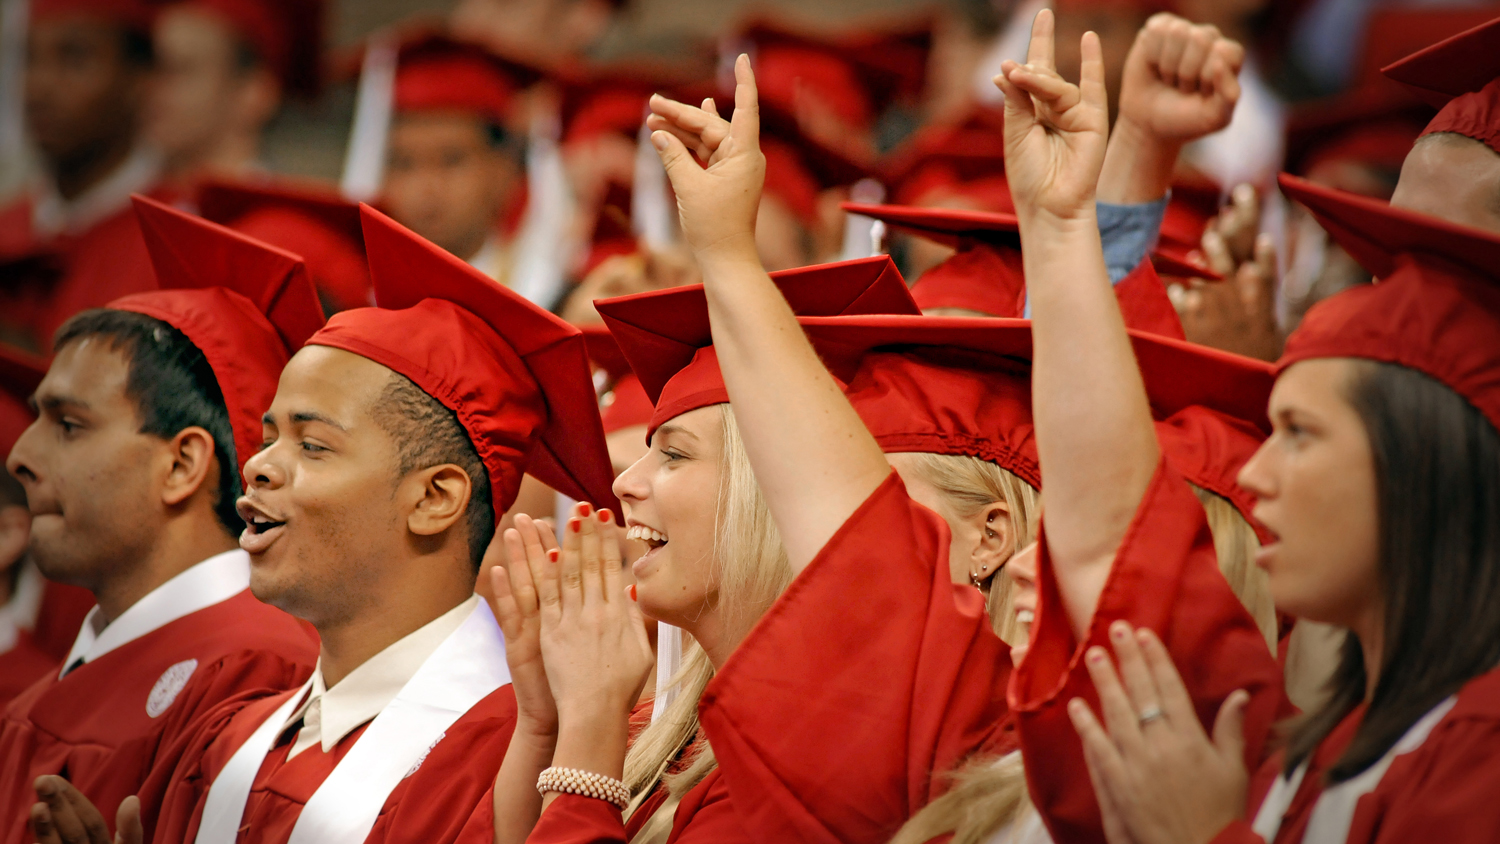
(530,552)
(65,816)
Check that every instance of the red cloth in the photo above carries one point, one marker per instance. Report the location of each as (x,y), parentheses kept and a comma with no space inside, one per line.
(286,34)
(93,725)
(60,617)
(910,681)
(1165,578)
(1475,115)
(982,278)
(1435,308)
(705,814)
(447,785)
(1444,790)
(436,72)
(23,665)
(517,377)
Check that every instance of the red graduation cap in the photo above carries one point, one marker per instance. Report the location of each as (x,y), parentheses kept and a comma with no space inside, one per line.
(1459,74)
(437,72)
(963,161)
(20,373)
(665,334)
(132,14)
(1435,307)
(286,34)
(1375,124)
(516,376)
(245,304)
(624,404)
(321,226)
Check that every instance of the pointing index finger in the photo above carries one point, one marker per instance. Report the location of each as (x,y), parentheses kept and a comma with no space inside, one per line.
(1041,51)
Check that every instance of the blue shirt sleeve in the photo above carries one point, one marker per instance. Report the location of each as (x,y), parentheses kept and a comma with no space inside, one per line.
(1128,234)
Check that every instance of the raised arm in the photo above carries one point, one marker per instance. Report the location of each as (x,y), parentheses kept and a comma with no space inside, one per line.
(1094,432)
(812,456)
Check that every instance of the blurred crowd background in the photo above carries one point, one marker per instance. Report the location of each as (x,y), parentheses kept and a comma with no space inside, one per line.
(507,132)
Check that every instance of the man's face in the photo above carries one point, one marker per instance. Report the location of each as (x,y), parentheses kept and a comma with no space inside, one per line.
(82,92)
(92,479)
(445,181)
(198,92)
(320,513)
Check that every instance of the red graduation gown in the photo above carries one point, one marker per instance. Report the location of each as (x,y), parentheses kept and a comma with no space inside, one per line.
(870,675)
(1443,790)
(705,814)
(456,774)
(22,666)
(95,726)
(1165,577)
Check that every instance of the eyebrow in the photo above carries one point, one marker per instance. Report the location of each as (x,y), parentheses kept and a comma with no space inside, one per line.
(302,416)
(52,400)
(675,430)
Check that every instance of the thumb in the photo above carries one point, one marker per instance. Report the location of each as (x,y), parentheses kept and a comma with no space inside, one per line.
(1229,727)
(128,829)
(675,158)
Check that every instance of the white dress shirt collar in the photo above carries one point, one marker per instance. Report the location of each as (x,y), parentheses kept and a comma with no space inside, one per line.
(210,582)
(328,715)
(52,215)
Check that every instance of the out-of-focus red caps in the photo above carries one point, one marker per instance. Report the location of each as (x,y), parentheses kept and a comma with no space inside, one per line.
(1435,306)
(963,161)
(437,72)
(132,14)
(245,304)
(665,334)
(624,404)
(516,377)
(286,34)
(1374,125)
(20,373)
(320,226)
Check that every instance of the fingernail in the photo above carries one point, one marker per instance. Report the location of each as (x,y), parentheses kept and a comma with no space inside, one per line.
(575,525)
(604,517)
(1143,636)
(552,555)
(632,591)
(584,509)
(659,139)
(1076,707)
(1119,631)
(1096,655)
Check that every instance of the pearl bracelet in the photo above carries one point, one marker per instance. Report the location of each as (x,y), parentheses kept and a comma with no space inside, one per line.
(584,784)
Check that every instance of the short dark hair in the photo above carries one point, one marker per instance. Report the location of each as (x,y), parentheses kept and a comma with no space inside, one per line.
(172,385)
(1437,470)
(428,434)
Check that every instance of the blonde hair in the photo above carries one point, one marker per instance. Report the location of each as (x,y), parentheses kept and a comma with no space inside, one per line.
(988,793)
(750,570)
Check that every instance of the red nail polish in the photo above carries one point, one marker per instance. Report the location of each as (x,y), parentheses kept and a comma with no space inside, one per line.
(632,592)
(584,509)
(552,555)
(575,524)
(604,517)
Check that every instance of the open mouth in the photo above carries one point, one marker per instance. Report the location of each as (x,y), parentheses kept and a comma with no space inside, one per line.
(261,524)
(260,529)
(653,538)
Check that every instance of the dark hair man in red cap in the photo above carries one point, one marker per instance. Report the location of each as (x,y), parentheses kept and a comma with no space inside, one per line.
(131,475)
(88,65)
(397,437)
(223,67)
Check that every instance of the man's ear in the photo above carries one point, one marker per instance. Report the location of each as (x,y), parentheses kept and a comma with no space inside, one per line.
(997,541)
(192,465)
(442,495)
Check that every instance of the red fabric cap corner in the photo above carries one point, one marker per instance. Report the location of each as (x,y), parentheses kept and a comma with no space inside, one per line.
(1435,306)
(1461,64)
(1475,115)
(985,279)
(516,376)
(244,304)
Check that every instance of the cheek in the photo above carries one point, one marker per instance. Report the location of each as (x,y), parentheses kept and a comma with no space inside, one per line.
(1326,564)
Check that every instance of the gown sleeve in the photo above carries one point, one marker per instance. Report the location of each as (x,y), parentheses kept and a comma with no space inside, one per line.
(869,676)
(705,815)
(1165,577)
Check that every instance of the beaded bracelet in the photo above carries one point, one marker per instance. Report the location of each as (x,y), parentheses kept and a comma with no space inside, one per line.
(584,784)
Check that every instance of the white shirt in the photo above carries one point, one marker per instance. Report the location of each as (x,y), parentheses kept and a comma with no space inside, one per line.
(328,715)
(213,581)
(19,613)
(51,214)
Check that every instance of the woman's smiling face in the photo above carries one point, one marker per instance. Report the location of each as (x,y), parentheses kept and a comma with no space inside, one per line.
(670,499)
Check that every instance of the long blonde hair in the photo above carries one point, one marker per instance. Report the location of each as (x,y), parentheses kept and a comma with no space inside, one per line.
(988,792)
(750,570)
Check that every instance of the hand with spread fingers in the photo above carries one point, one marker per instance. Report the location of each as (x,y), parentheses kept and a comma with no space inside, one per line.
(1055,131)
(1158,776)
(526,548)
(1238,314)
(594,644)
(65,816)
(717,202)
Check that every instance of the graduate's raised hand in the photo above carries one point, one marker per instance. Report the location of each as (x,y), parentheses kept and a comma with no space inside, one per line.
(1159,778)
(1055,132)
(524,554)
(65,816)
(1181,80)
(717,201)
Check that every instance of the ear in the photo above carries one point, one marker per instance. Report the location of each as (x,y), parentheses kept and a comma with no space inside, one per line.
(997,541)
(192,465)
(440,496)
